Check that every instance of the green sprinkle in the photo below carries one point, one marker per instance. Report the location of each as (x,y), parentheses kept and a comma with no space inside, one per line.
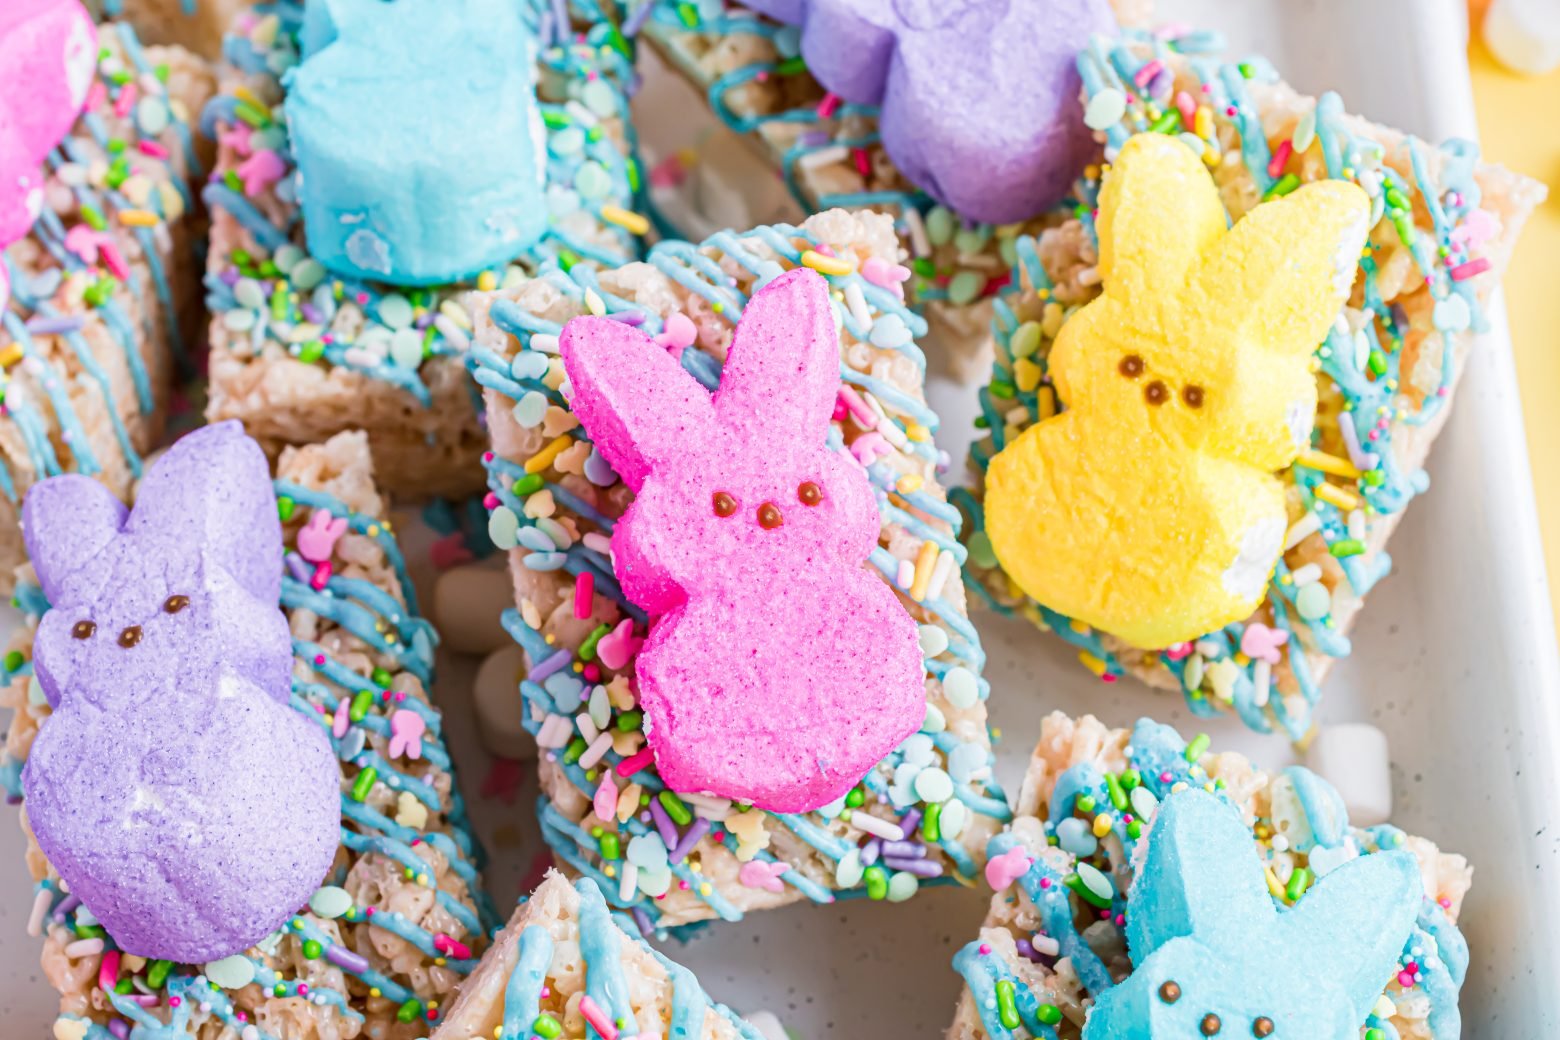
(90,931)
(931,823)
(1168,123)
(546,1026)
(255,116)
(1118,794)
(982,423)
(312,949)
(161,71)
(14,660)
(630,721)
(1246,70)
(1299,881)
(792,66)
(555,120)
(1375,1034)
(1344,547)
(1281,187)
(1134,830)
(1198,745)
(575,749)
(855,797)
(285,507)
(1076,884)
(1050,1014)
(528,484)
(311,351)
(588,648)
(1374,477)
(1377,363)
(382,678)
(924,266)
(1007,1010)
(157,973)
(364,783)
(567,259)
(123,986)
(688,13)
(233,181)
(1130,778)
(877,882)
(361,702)
(611,848)
(1085,803)
(675,808)
(1003,389)
(409,1010)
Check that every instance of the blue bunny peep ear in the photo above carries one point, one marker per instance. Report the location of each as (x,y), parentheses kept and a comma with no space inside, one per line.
(1358,919)
(1200,876)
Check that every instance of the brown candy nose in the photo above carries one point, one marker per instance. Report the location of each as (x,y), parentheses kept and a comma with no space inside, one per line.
(130,636)
(769,516)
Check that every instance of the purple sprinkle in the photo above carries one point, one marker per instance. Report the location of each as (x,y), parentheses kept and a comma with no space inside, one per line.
(299,568)
(634,318)
(229,277)
(696,830)
(561,15)
(1160,86)
(544,26)
(642,919)
(146,1000)
(919,867)
(53,326)
(663,824)
(871,851)
(813,139)
(120,1028)
(550,665)
(910,821)
(346,959)
(904,849)
(637,20)
(67,904)
(311,313)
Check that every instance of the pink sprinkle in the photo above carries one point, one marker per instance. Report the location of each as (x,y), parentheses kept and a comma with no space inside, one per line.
(985,949)
(635,762)
(261,170)
(406,733)
(598,1018)
(451,947)
(1003,870)
(342,719)
(321,576)
(235,137)
(865,417)
(1179,651)
(1464,271)
(828,106)
(840,411)
(303,989)
(866,449)
(679,333)
(1146,74)
(490,501)
(1187,106)
(604,803)
(125,100)
(153,149)
(863,164)
(1406,980)
(108,970)
(113,260)
(1045,882)
(618,647)
(96,94)
(1275,165)
(584,588)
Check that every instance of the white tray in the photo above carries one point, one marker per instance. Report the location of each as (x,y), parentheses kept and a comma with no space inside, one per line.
(1456,661)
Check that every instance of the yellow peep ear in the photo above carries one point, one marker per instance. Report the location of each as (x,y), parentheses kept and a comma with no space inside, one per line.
(1285,268)
(1160,214)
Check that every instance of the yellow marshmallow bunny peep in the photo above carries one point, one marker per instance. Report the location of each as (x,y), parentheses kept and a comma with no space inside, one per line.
(1149,508)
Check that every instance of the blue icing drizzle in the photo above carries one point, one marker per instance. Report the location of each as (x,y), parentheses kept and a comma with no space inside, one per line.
(1368,387)
(419,143)
(1200,906)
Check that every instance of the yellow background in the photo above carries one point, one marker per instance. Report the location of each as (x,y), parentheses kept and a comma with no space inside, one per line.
(1518,128)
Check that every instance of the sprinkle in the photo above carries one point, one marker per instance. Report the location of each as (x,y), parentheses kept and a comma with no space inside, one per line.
(40,910)
(877,827)
(1336,496)
(677,810)
(637,761)
(146,218)
(1331,464)
(829,265)
(1281,187)
(1464,271)
(544,458)
(940,574)
(1346,547)
(865,417)
(1280,159)
(1007,1009)
(597,751)
(1196,747)
(83,947)
(364,783)
(1301,529)
(584,588)
(634,223)
(108,970)
(924,560)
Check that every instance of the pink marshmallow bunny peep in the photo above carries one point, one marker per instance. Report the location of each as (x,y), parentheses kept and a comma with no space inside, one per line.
(48,55)
(778,669)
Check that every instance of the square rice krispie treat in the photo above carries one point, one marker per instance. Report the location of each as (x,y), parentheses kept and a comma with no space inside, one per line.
(563,965)
(401,918)
(923,814)
(299,352)
(1443,227)
(1147,881)
(104,297)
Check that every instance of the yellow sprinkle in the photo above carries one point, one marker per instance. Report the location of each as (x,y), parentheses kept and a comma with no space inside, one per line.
(373,530)
(923,570)
(1026,374)
(138,218)
(374,991)
(1080,627)
(245,94)
(916,432)
(1313,459)
(1092,663)
(705,889)
(909,483)
(1273,885)
(825,264)
(10,355)
(633,222)
(544,458)
(594,303)
(1102,825)
(1202,123)
(487,281)
(1337,496)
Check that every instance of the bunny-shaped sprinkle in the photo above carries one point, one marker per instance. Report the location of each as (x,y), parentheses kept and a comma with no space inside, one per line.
(1213,955)
(48,54)
(419,143)
(317,539)
(979,100)
(778,670)
(174,788)
(1149,508)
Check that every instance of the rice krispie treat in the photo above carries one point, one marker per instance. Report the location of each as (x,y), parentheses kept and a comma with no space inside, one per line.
(1442,229)
(1150,884)
(102,295)
(194,24)
(400,918)
(300,350)
(562,966)
(760,79)
(922,815)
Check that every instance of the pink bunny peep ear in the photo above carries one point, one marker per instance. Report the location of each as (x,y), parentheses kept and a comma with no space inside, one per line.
(211,493)
(782,373)
(641,408)
(66,522)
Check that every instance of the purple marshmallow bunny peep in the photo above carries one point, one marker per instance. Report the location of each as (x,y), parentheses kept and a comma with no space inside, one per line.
(778,669)
(980,98)
(174,789)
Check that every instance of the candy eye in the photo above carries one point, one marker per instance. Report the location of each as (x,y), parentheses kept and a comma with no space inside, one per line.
(769,516)
(725,505)
(809,494)
(1192,394)
(1156,393)
(130,636)
(1170,991)
(174,604)
(1210,1024)
(1262,1026)
(1131,366)
(83,629)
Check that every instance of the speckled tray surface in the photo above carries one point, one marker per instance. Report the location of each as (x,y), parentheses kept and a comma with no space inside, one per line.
(1455,660)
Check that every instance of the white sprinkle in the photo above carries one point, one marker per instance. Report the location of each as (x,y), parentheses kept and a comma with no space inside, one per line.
(554,731)
(1357,524)
(594,304)
(628,881)
(361,356)
(597,542)
(878,828)
(856,300)
(1044,945)
(940,571)
(824,157)
(453,333)
(1307,525)
(544,342)
(597,750)
(1095,881)
(40,909)
(84,948)
(583,115)
(906,576)
(1307,575)
(919,244)
(587,726)
(1262,680)
(706,801)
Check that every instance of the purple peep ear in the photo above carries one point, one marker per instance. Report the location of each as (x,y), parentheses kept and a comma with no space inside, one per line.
(212,493)
(66,522)
(641,408)
(783,370)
